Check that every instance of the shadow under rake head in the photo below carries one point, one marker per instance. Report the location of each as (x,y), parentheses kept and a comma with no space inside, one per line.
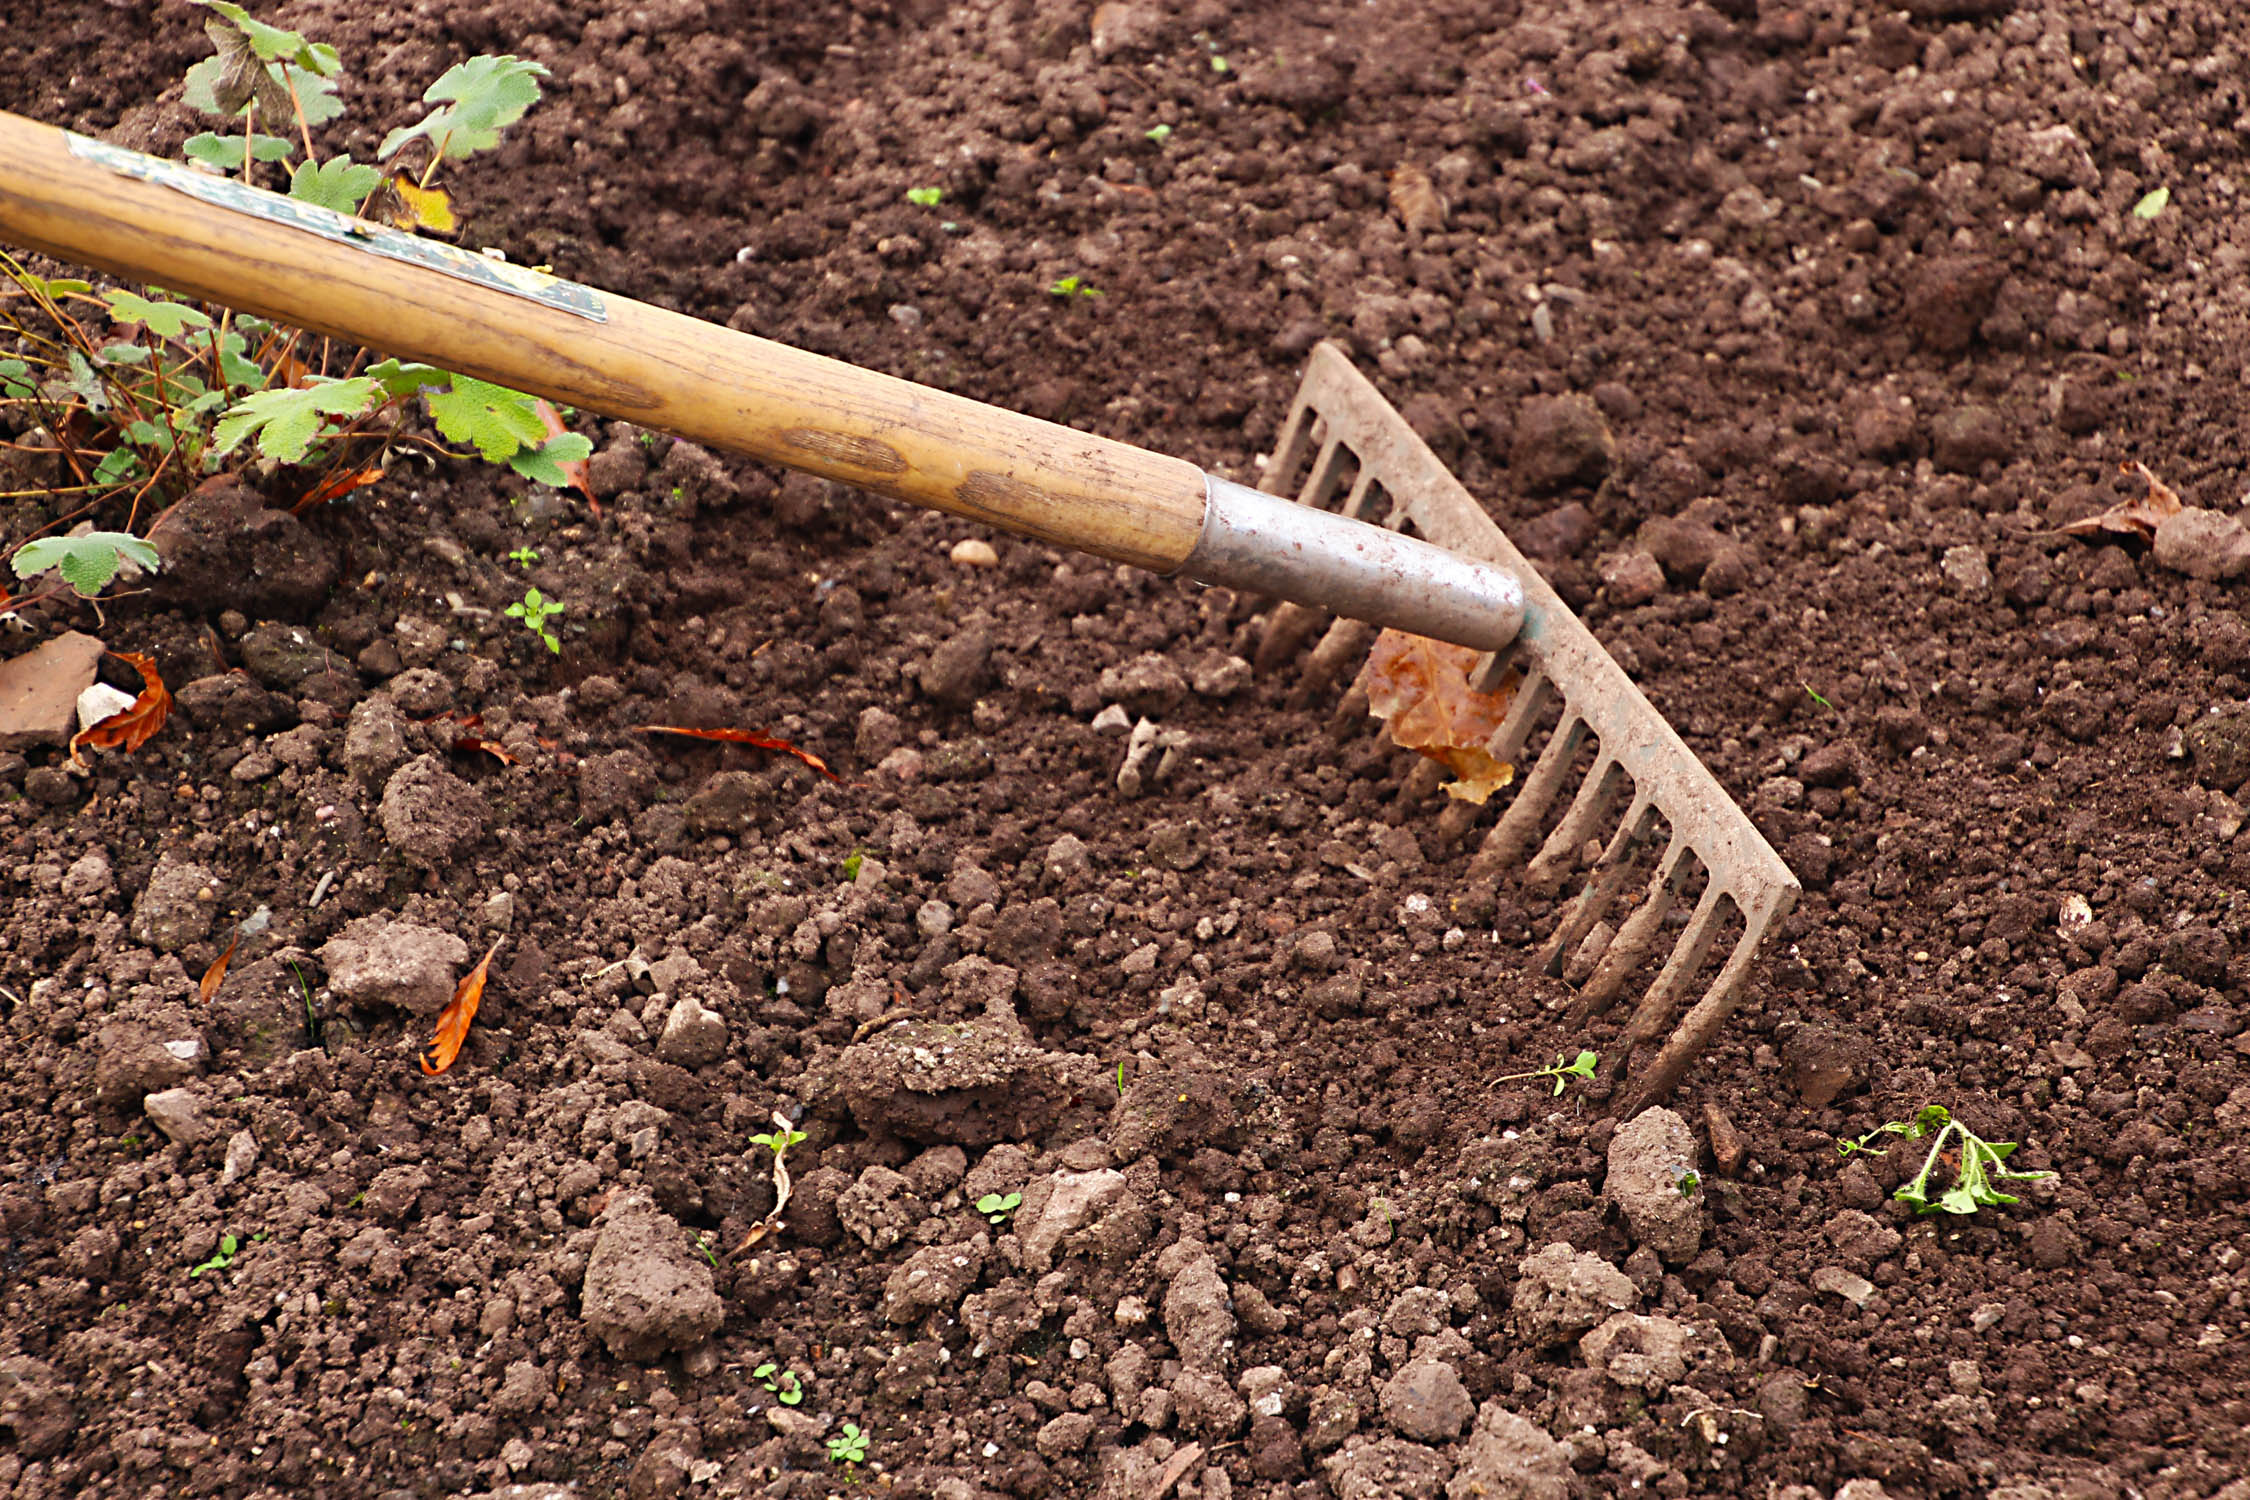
(1678,836)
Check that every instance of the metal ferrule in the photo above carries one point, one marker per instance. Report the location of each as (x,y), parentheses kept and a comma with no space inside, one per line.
(1264,544)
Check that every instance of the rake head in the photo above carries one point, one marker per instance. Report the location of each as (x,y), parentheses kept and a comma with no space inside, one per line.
(1667,832)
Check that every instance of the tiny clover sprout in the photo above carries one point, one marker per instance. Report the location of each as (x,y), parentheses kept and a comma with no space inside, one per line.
(87,563)
(776,1142)
(998,1208)
(925,197)
(525,555)
(1158,133)
(1979,1165)
(1072,287)
(786,1387)
(1580,1067)
(848,1446)
(534,609)
(222,1258)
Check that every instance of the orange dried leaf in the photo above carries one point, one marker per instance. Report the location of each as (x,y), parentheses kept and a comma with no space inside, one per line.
(1420,689)
(216,975)
(574,469)
(2139,517)
(129,728)
(335,488)
(747,737)
(453,1021)
(492,748)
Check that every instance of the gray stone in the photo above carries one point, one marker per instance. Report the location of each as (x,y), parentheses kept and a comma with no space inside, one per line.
(962,1083)
(177,905)
(378,961)
(2203,544)
(878,1208)
(1966,569)
(282,656)
(1649,1157)
(1510,1458)
(1065,1435)
(693,1036)
(646,1291)
(39,691)
(1206,1406)
(131,1061)
(395,1191)
(1427,1402)
(1069,1203)
(1967,438)
(1849,1285)
(179,1113)
(1631,579)
(1562,1292)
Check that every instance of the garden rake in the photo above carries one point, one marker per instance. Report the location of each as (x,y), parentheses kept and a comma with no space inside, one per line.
(1379,533)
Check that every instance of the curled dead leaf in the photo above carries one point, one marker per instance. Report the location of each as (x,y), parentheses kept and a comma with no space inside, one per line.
(1420,689)
(746,737)
(2139,516)
(1414,198)
(453,1021)
(129,728)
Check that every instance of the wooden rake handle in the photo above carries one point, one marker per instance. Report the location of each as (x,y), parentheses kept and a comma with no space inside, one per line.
(164,223)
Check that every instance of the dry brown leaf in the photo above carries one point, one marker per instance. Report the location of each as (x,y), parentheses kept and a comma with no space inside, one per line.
(2139,517)
(1420,689)
(216,975)
(453,1021)
(576,470)
(129,728)
(1414,198)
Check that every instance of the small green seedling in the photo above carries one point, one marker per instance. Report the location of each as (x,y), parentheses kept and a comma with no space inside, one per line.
(1121,1080)
(222,1258)
(1158,133)
(87,563)
(1980,1164)
(535,610)
(852,862)
(997,1208)
(1823,702)
(1581,1067)
(1073,287)
(703,1248)
(786,1387)
(1688,1181)
(776,1142)
(925,197)
(849,1446)
(2152,203)
(1220,65)
(524,556)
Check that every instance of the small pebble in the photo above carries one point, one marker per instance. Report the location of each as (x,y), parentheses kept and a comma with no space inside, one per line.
(974,552)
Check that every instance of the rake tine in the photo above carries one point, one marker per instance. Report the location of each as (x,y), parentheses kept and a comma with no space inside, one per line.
(1662,1001)
(1296,437)
(1421,782)
(1544,874)
(1523,711)
(1351,714)
(1287,630)
(1505,844)
(1601,889)
(1636,937)
(1344,645)
(1702,1023)
(1320,479)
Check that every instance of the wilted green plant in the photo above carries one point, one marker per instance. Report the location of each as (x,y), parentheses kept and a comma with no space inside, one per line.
(1977,1166)
(1560,1071)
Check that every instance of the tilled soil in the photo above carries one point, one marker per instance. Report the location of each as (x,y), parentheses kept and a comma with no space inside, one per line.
(1785,336)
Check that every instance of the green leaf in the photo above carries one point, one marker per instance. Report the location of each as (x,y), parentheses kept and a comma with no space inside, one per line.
(235,367)
(13,385)
(543,465)
(123,354)
(87,385)
(478,99)
(87,563)
(316,97)
(403,379)
(338,183)
(164,319)
(925,197)
(272,43)
(116,467)
(500,422)
(288,421)
(2152,203)
(225,151)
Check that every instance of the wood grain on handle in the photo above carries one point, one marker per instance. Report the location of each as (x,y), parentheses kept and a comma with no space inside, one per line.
(657,369)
